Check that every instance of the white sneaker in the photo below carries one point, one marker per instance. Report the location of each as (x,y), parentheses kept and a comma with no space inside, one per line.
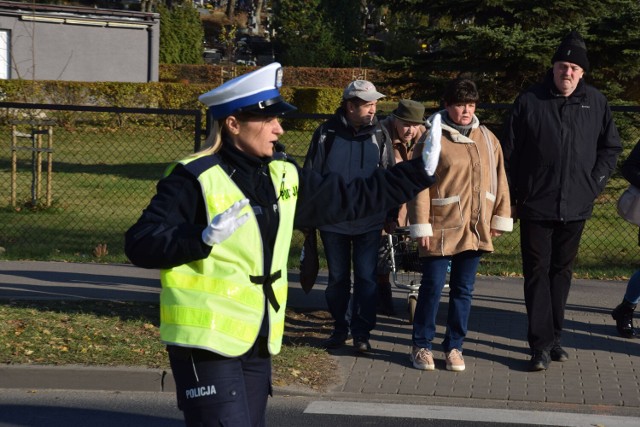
(455,361)
(422,358)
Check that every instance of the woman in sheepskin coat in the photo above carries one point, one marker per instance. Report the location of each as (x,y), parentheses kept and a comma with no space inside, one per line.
(454,222)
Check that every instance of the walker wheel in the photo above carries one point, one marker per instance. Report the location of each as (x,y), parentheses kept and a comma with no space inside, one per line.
(412,302)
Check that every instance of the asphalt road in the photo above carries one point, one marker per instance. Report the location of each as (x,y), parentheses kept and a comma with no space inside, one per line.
(64,408)
(598,386)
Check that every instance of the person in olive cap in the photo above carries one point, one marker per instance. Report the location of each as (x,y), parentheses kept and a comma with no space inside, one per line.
(405,126)
(561,146)
(219,229)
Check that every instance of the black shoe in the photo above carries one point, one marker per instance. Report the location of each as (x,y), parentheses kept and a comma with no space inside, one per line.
(336,340)
(623,315)
(361,345)
(558,354)
(539,360)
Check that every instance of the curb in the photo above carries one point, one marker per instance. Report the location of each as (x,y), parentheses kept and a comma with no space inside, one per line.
(86,378)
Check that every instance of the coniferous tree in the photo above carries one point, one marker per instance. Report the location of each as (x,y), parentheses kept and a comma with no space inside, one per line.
(507,44)
(181,34)
(304,36)
(348,21)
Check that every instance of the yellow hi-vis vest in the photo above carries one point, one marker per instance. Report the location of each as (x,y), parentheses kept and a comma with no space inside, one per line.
(218,303)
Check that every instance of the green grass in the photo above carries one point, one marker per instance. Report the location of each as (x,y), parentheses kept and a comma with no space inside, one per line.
(110,333)
(88,333)
(101,181)
(608,249)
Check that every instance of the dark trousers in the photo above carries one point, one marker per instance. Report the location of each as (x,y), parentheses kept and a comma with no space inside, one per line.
(213,390)
(549,249)
(341,250)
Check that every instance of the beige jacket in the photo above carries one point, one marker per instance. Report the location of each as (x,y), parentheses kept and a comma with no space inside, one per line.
(402,151)
(459,210)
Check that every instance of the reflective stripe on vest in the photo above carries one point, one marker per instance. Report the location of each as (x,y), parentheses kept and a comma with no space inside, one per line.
(213,303)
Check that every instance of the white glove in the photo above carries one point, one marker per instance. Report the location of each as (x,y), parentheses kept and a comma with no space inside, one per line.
(224,224)
(431,150)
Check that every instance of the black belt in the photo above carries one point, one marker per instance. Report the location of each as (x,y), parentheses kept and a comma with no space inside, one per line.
(266,282)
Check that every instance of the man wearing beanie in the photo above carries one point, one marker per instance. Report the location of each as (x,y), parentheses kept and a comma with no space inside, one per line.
(560,147)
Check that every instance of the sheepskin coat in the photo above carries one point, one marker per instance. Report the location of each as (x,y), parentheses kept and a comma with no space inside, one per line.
(460,209)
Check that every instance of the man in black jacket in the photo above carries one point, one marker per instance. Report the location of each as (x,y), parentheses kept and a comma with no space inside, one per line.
(560,149)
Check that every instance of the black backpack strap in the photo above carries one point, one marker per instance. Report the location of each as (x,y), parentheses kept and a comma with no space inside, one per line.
(383,139)
(326,136)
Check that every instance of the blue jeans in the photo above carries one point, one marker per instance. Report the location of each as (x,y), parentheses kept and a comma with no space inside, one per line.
(632,294)
(461,280)
(340,250)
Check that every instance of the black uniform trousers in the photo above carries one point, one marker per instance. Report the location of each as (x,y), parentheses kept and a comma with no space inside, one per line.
(549,249)
(213,390)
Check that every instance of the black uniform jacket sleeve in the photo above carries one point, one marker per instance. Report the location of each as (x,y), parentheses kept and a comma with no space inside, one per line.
(168,233)
(328,199)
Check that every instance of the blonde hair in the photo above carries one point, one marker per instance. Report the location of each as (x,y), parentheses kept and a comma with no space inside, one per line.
(213,142)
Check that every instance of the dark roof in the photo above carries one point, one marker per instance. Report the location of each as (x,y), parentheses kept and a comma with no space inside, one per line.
(12,7)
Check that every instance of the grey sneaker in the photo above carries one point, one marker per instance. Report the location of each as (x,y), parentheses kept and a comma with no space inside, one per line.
(422,358)
(455,361)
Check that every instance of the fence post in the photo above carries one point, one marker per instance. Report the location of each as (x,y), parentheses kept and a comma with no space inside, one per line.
(37,130)
(14,165)
(49,166)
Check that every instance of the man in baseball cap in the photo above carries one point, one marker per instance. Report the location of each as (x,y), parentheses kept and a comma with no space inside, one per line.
(353,144)
(359,103)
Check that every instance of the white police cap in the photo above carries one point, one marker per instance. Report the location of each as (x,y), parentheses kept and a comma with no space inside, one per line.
(256,92)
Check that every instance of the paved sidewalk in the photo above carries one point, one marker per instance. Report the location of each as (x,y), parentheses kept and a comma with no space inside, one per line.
(601,376)
(603,370)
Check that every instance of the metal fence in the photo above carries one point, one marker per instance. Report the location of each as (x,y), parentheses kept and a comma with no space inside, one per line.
(73,179)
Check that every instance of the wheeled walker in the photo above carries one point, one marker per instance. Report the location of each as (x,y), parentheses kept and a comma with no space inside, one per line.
(402,258)
(401,253)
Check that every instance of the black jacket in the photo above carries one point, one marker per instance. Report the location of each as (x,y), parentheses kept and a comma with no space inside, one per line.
(169,231)
(559,151)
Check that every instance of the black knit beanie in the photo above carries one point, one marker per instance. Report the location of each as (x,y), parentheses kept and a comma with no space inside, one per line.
(572,49)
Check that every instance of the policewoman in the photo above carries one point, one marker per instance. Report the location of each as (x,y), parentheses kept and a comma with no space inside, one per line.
(219,229)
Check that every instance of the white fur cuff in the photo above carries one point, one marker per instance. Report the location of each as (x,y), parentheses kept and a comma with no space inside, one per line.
(420,230)
(501,223)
